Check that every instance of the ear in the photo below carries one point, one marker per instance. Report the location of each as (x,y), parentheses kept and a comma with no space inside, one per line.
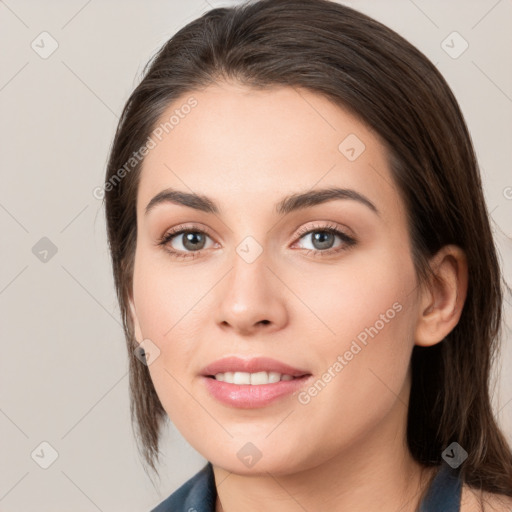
(135,320)
(443,299)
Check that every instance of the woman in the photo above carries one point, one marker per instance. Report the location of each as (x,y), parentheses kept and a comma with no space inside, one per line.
(303,259)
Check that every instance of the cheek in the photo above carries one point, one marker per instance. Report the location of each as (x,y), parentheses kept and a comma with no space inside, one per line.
(164,320)
(369,312)
(165,298)
(363,292)
(165,312)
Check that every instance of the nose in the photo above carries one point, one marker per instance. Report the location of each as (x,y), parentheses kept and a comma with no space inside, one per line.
(252,298)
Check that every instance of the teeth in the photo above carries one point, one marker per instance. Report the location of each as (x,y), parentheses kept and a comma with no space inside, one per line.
(252,378)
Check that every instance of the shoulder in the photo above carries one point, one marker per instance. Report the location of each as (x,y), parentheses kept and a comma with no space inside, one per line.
(473,500)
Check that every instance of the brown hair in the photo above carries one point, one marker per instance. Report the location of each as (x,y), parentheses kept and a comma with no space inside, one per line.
(366,67)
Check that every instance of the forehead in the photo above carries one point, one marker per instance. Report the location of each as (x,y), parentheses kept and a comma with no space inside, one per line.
(244,146)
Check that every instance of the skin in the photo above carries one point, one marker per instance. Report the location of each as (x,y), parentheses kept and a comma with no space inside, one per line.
(246,149)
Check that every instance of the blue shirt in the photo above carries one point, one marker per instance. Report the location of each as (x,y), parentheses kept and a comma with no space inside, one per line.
(199,494)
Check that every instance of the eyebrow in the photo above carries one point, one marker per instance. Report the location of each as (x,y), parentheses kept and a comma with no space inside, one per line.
(288,204)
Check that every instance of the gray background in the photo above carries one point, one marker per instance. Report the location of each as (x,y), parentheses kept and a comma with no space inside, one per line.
(63,367)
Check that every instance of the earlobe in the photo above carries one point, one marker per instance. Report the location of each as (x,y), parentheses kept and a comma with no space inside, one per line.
(443,300)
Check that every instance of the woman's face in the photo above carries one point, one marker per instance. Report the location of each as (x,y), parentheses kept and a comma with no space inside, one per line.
(261,277)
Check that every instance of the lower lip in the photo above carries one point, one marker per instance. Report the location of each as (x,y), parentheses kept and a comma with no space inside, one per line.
(247,396)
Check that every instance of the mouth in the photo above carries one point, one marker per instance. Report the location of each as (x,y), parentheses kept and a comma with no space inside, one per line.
(252,383)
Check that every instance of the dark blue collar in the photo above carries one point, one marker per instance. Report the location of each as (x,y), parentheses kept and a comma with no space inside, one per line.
(444,492)
(199,494)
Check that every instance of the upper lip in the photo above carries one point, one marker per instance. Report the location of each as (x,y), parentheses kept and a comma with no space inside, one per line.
(254,365)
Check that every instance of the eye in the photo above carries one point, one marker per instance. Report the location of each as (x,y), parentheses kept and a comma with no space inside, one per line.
(323,239)
(185,242)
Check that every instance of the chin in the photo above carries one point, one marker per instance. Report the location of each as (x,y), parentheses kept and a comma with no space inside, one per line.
(260,464)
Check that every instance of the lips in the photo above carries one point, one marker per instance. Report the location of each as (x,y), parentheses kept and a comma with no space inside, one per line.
(230,381)
(254,365)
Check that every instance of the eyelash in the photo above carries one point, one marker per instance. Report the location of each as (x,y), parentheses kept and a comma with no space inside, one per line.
(167,238)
